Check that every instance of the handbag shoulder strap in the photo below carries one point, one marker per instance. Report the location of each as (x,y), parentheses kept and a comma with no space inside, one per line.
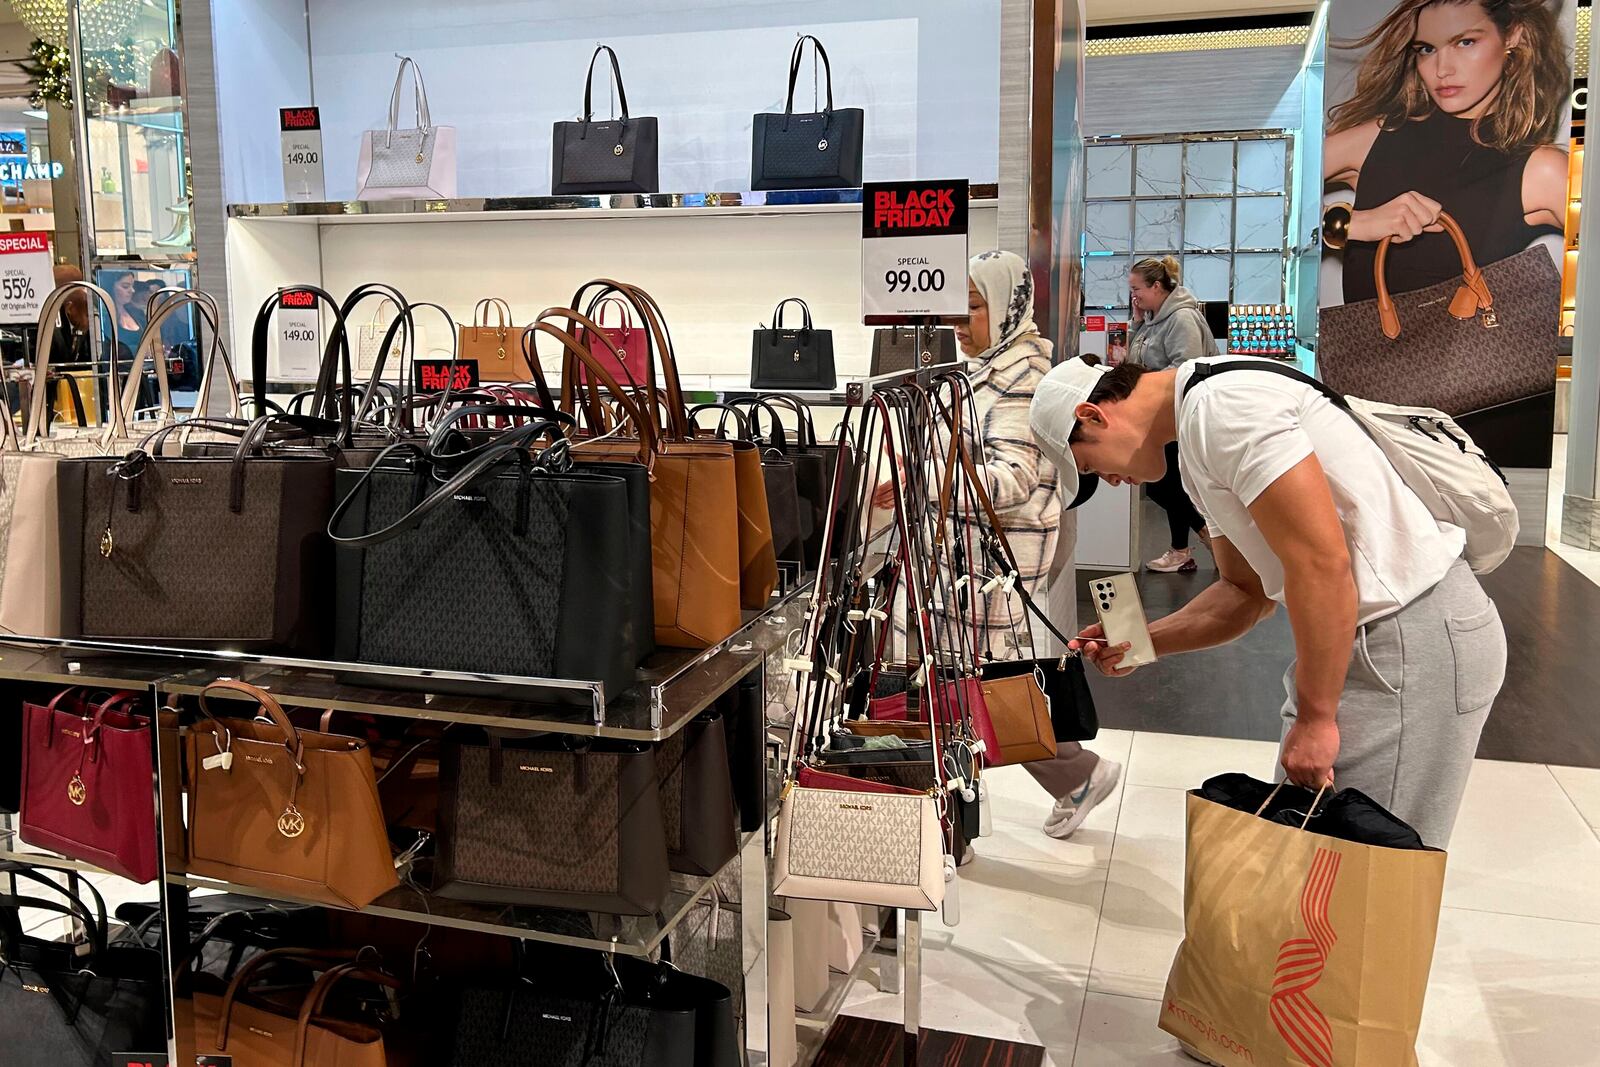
(49,318)
(423,118)
(318,997)
(588,84)
(272,957)
(794,73)
(72,905)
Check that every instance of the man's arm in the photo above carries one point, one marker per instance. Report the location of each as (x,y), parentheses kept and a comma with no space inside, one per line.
(1297,517)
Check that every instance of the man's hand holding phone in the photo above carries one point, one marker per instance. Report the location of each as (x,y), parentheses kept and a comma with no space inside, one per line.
(1092,643)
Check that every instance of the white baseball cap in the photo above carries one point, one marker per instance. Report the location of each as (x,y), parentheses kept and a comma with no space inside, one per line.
(1053,416)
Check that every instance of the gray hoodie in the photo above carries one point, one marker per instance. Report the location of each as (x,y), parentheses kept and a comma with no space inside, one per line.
(1177,333)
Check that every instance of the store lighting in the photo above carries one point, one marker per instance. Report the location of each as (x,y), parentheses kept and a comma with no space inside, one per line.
(103,22)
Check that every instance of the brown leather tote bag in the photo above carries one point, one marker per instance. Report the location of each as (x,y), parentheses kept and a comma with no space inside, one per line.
(694,497)
(261,1031)
(758,559)
(496,346)
(284,809)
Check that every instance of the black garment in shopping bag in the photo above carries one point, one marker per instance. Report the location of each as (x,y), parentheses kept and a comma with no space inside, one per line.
(77,1000)
(1348,814)
(787,358)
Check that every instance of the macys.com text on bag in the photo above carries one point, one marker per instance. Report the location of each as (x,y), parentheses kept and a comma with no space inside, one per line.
(1210,1032)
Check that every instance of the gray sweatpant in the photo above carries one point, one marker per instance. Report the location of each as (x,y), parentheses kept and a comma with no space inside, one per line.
(1420,686)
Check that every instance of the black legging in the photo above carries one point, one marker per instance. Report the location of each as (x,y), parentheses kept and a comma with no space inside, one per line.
(1169,496)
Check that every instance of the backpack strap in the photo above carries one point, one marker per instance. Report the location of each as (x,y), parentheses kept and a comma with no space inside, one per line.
(1204,371)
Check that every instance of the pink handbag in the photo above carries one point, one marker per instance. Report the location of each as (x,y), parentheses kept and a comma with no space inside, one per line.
(965,694)
(632,341)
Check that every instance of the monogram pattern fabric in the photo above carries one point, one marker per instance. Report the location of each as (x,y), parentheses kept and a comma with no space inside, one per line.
(855,837)
(512,627)
(1439,361)
(822,150)
(405,161)
(589,160)
(536,827)
(669,766)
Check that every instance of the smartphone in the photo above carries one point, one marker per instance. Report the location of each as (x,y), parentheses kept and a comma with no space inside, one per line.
(1116,601)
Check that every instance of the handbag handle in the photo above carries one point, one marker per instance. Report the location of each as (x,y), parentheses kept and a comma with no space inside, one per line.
(339,341)
(778,437)
(777,315)
(270,957)
(741,424)
(502,314)
(217,352)
(292,742)
(1473,295)
(149,339)
(443,426)
(424,119)
(318,997)
(588,87)
(485,464)
(71,905)
(599,375)
(49,316)
(805,428)
(794,73)
(338,348)
(676,425)
(598,313)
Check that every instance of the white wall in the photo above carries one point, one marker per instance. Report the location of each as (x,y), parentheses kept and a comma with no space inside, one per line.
(1191,92)
(502,71)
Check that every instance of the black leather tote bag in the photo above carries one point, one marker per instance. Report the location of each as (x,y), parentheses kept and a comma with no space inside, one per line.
(697,808)
(614,156)
(216,551)
(897,348)
(543,549)
(788,358)
(552,826)
(811,150)
(78,1000)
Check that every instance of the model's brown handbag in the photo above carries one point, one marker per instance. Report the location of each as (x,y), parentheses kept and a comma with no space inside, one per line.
(284,809)
(1488,339)
(694,497)
(257,1029)
(497,346)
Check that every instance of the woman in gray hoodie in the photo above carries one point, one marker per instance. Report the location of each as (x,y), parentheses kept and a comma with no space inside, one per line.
(1169,327)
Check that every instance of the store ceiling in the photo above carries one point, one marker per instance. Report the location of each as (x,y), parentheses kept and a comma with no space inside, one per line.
(1154,12)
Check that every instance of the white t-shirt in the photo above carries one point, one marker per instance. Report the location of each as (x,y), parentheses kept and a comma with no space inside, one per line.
(1241,431)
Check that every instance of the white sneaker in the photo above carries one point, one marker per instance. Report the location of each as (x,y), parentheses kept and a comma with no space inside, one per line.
(1070,811)
(1173,560)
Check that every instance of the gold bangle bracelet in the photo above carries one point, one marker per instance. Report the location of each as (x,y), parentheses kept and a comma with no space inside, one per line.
(1336,226)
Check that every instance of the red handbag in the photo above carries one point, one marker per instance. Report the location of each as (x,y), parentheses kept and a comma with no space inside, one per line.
(967,694)
(87,784)
(632,341)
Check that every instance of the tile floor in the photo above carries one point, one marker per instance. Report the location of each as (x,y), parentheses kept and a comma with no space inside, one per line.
(1067,944)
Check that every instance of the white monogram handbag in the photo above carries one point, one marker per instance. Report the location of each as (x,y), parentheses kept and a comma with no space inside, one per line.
(414,164)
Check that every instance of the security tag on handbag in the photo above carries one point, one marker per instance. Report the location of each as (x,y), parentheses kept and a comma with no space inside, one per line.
(213,1061)
(300,137)
(221,761)
(985,810)
(803,666)
(950,910)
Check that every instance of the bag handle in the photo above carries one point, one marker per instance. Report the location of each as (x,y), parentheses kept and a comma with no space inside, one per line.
(443,426)
(215,354)
(338,348)
(292,742)
(71,905)
(778,437)
(480,314)
(1312,810)
(149,340)
(740,423)
(485,464)
(317,998)
(598,313)
(588,87)
(271,957)
(1473,295)
(49,316)
(794,73)
(339,340)
(805,428)
(424,119)
(777,314)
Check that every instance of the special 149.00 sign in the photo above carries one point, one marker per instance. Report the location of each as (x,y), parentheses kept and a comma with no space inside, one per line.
(913,251)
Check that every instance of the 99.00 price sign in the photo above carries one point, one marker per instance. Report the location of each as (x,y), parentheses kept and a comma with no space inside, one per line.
(913,251)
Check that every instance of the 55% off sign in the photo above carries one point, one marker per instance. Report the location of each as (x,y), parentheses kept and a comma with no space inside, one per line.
(913,251)
(26,276)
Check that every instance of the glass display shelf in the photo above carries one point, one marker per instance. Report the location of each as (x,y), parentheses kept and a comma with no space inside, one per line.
(13,848)
(164,113)
(626,934)
(618,205)
(674,685)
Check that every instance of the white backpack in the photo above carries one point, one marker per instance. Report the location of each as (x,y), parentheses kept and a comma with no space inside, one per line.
(1434,457)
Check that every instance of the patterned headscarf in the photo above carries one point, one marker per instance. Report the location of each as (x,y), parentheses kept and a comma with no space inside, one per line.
(1006,285)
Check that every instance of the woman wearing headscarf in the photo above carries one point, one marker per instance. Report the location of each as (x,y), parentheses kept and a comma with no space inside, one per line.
(1008,358)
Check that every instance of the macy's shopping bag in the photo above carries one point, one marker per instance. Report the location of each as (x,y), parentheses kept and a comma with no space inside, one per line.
(1301,948)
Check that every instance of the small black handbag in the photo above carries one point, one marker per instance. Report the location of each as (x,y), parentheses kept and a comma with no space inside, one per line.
(897,348)
(816,150)
(785,358)
(614,156)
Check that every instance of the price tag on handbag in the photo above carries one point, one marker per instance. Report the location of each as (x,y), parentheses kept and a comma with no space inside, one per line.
(300,134)
(299,336)
(913,251)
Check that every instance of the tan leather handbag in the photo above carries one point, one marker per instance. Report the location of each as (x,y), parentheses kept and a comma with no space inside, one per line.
(261,1031)
(694,498)
(285,809)
(497,347)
